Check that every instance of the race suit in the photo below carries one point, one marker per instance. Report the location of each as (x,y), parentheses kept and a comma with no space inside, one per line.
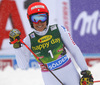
(52,46)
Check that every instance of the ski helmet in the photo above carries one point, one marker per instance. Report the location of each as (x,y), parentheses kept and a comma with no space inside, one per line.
(36,8)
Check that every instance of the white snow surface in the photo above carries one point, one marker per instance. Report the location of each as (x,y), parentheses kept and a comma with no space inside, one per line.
(33,76)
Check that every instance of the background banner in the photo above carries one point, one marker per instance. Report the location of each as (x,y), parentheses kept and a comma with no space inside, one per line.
(85,18)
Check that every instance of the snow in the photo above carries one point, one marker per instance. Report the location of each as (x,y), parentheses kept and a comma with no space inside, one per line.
(33,76)
(20,77)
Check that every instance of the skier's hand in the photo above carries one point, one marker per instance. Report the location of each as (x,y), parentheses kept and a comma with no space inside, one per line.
(15,34)
(87,78)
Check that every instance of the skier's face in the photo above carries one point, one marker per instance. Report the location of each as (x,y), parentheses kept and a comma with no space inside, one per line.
(40,26)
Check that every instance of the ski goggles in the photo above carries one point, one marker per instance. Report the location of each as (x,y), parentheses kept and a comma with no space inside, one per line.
(38,17)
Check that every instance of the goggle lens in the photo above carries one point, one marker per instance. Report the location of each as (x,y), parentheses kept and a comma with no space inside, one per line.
(38,17)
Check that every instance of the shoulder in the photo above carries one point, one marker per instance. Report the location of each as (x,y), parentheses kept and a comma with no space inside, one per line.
(56,26)
(62,29)
(27,38)
(53,27)
(59,27)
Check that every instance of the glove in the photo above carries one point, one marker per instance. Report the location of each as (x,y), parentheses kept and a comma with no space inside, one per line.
(15,34)
(87,78)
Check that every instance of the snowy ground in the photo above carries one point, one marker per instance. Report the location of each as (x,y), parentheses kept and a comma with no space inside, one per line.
(20,77)
(33,76)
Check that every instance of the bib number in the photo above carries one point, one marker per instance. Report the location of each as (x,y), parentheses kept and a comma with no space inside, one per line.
(51,54)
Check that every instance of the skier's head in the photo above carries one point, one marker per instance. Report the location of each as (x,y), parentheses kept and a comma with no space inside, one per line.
(37,12)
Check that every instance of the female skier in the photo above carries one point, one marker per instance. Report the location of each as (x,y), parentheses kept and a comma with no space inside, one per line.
(49,43)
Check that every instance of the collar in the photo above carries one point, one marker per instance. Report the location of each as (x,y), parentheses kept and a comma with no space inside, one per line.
(42,32)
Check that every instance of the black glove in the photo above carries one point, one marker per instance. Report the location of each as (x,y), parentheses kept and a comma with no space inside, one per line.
(15,34)
(87,78)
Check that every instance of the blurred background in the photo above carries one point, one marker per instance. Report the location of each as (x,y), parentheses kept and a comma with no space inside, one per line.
(80,17)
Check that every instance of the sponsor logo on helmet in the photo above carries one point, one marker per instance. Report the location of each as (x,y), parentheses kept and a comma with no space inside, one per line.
(45,38)
(37,6)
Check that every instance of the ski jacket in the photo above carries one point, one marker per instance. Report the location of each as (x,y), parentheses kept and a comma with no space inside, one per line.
(48,42)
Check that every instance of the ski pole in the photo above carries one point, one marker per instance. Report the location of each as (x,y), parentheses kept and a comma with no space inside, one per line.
(37,58)
(97,81)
